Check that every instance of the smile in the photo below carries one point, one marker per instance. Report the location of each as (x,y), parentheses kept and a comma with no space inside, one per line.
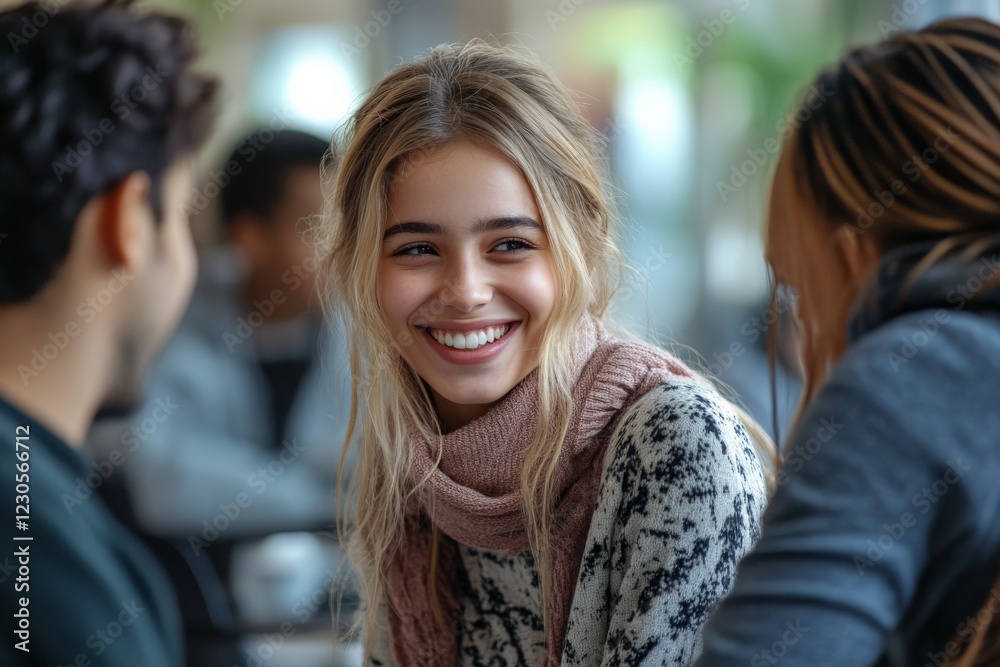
(470,340)
(472,343)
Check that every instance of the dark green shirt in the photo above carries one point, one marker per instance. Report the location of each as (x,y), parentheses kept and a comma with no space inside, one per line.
(92,593)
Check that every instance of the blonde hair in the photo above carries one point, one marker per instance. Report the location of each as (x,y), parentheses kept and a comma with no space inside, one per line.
(498,98)
(905,150)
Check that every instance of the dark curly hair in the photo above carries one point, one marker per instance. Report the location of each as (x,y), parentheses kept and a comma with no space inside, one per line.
(89,94)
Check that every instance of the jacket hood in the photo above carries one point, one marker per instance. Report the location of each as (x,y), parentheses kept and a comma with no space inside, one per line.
(953,284)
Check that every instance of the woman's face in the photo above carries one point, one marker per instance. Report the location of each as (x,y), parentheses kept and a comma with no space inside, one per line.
(784,242)
(823,262)
(466,281)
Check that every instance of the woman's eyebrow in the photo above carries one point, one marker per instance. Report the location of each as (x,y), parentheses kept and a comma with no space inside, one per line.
(505,222)
(481,226)
(412,228)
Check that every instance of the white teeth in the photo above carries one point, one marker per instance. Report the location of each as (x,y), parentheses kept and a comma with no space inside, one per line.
(472,340)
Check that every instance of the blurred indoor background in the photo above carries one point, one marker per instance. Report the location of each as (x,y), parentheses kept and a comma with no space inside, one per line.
(692,95)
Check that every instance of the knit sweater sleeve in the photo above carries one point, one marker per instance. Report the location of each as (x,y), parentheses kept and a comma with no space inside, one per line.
(679,505)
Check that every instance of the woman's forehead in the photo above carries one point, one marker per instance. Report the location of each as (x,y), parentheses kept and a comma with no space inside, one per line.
(459,184)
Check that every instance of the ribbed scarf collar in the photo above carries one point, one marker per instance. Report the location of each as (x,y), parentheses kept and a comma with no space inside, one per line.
(474,496)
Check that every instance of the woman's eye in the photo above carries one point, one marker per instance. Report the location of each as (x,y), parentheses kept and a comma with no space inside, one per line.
(513,245)
(415,249)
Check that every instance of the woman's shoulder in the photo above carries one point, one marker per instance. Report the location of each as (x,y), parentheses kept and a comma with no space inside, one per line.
(681,497)
(681,454)
(922,383)
(913,397)
(684,429)
(923,343)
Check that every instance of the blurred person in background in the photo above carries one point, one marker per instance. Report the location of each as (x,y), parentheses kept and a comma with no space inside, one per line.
(531,489)
(240,434)
(881,545)
(100,118)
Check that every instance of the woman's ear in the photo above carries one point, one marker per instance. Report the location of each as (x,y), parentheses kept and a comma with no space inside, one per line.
(859,252)
(124,216)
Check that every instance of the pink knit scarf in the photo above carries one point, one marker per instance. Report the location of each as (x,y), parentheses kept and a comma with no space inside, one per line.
(474,496)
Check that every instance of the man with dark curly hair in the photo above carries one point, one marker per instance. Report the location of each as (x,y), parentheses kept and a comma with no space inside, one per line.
(100,116)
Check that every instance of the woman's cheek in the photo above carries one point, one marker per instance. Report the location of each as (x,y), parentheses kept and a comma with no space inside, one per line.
(535,289)
(398,300)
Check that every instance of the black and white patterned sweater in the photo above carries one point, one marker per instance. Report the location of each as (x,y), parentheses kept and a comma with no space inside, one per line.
(679,505)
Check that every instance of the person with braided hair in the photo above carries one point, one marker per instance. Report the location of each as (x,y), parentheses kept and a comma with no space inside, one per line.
(96,267)
(881,545)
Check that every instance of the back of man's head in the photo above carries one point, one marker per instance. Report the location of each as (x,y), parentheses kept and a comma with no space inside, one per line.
(89,93)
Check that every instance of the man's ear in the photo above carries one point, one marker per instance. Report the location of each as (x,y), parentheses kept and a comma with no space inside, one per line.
(124,216)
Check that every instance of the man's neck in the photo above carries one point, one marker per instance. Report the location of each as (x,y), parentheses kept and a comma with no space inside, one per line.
(56,379)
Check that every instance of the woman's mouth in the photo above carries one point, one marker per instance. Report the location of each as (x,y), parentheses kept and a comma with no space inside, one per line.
(470,340)
(471,346)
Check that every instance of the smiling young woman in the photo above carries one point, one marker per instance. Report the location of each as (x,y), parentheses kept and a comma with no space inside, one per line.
(529,489)
(467,276)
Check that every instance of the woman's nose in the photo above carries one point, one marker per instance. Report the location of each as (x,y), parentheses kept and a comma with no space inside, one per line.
(467,286)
